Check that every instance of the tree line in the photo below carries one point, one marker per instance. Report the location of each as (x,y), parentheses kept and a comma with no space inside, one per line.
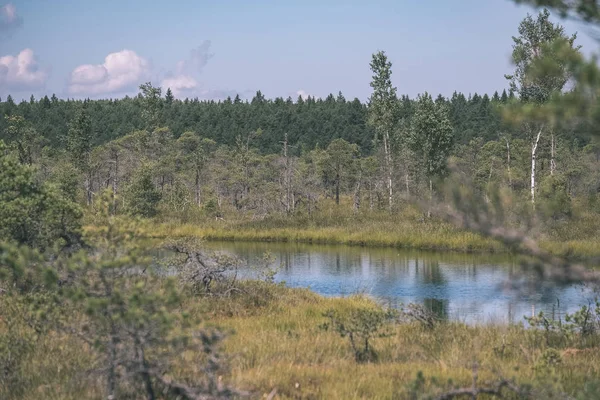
(308,122)
(158,154)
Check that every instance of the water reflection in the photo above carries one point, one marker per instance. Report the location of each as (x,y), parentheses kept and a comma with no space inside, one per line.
(468,288)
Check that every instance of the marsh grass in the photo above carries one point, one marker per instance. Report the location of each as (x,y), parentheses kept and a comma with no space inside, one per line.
(577,239)
(277,342)
(407,227)
(335,225)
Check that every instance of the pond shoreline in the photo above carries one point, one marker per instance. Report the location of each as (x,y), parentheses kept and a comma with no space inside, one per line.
(455,242)
(459,286)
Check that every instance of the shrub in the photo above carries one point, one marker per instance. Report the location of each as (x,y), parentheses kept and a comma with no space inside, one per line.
(361,326)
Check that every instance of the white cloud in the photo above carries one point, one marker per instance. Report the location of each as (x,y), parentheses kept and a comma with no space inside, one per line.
(197,60)
(10,12)
(183,82)
(302,94)
(9,19)
(222,94)
(179,84)
(21,71)
(121,71)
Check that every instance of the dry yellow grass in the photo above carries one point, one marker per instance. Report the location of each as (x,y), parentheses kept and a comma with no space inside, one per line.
(277,344)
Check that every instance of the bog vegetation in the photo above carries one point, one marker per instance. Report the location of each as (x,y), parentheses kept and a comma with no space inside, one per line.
(86,313)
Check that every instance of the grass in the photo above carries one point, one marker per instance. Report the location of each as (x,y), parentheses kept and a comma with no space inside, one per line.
(335,225)
(407,228)
(277,344)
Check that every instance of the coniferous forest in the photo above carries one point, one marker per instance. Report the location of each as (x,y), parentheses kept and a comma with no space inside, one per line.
(109,289)
(250,155)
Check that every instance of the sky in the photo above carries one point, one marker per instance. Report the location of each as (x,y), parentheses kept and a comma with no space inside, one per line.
(219,48)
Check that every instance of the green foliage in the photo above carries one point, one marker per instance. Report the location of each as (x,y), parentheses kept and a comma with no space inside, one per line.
(17,341)
(129,316)
(383,100)
(361,326)
(142,196)
(308,123)
(177,199)
(339,165)
(430,388)
(265,271)
(584,9)
(79,138)
(431,135)
(534,45)
(67,179)
(210,208)
(550,358)
(151,103)
(555,202)
(582,326)
(590,390)
(194,152)
(23,138)
(169,98)
(31,212)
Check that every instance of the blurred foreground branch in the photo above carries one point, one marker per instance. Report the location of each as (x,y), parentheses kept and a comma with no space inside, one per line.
(486,215)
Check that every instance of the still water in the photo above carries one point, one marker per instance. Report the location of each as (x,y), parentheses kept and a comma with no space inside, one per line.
(463,287)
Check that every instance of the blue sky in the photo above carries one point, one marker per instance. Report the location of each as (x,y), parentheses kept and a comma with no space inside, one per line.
(210,49)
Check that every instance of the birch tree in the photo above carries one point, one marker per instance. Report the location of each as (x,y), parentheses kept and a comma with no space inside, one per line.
(382,112)
(431,137)
(534,45)
(151,102)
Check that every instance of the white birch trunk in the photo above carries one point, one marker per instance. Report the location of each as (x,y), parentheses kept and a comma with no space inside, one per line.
(388,162)
(533,164)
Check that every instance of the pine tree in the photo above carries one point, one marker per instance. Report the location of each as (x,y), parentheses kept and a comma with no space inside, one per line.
(496,97)
(79,137)
(142,195)
(79,145)
(340,164)
(32,212)
(169,97)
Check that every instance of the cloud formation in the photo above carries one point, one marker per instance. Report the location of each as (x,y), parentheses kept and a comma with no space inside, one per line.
(9,19)
(21,71)
(197,60)
(222,94)
(183,82)
(302,94)
(121,71)
(179,84)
